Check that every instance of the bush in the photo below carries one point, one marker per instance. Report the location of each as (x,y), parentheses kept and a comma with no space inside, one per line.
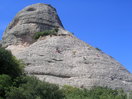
(56,29)
(26,87)
(16,93)
(94,93)
(45,33)
(9,64)
(5,83)
(98,49)
(32,88)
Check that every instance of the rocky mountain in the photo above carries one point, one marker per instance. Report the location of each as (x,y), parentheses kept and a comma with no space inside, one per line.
(34,18)
(62,58)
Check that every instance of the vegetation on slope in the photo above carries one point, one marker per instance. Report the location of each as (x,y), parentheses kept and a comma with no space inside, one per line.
(45,33)
(94,93)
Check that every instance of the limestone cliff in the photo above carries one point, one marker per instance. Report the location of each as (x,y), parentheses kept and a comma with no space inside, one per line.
(61,59)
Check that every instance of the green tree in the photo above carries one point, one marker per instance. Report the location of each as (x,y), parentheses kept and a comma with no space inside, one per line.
(9,64)
(5,83)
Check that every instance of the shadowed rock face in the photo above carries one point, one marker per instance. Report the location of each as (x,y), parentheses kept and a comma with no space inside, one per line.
(63,59)
(32,19)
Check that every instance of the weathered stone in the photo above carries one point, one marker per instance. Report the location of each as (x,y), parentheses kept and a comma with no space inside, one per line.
(65,60)
(32,19)
(0,43)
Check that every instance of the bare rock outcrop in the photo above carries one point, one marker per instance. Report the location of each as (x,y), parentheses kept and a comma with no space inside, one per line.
(32,19)
(62,59)
(66,60)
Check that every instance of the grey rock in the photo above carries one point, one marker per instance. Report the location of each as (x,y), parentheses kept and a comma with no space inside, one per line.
(32,19)
(0,43)
(65,60)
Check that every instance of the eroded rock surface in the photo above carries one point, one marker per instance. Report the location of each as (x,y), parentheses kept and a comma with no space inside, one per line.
(66,60)
(62,59)
(32,19)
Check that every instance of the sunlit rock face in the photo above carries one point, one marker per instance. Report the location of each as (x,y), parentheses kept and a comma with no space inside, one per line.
(32,19)
(61,59)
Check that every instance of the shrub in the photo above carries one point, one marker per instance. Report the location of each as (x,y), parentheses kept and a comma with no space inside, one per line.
(16,93)
(98,49)
(1,97)
(94,93)
(5,83)
(56,29)
(26,87)
(72,92)
(9,64)
(32,88)
(45,33)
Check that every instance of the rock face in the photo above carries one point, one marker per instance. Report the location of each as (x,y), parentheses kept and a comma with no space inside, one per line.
(32,19)
(63,59)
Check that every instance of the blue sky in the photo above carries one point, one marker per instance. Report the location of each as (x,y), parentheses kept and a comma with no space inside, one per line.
(106,24)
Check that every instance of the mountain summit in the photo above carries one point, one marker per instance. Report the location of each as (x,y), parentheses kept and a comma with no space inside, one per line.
(32,19)
(58,56)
